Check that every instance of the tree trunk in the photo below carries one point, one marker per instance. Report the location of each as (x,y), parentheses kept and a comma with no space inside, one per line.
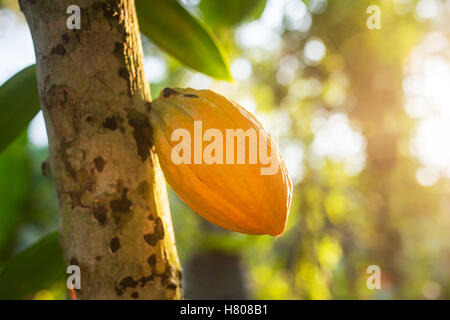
(115,219)
(214,274)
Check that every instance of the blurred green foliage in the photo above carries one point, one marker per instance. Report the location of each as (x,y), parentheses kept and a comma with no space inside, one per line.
(17,108)
(340,223)
(37,267)
(222,14)
(176,31)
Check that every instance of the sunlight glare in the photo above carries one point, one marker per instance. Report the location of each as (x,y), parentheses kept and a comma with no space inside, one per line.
(338,141)
(428,99)
(37,133)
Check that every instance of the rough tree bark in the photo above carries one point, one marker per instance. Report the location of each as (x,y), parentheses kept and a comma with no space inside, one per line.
(115,219)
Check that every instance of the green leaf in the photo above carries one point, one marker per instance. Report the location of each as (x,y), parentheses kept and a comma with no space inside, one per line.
(15,180)
(35,268)
(19,103)
(176,31)
(220,13)
(257,10)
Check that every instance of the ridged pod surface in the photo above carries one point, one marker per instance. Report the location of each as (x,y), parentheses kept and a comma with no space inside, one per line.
(233,194)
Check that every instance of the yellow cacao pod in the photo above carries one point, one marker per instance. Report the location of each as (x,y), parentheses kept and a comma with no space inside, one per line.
(210,157)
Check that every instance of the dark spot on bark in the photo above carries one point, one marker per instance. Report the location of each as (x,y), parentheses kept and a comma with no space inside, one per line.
(45,168)
(115,244)
(135,295)
(99,163)
(124,73)
(100,214)
(171,286)
(144,280)
(58,95)
(111,9)
(144,189)
(110,123)
(74,262)
(151,239)
(98,258)
(59,49)
(88,118)
(151,260)
(121,205)
(112,12)
(169,278)
(75,198)
(158,233)
(148,105)
(65,158)
(168,92)
(118,49)
(86,183)
(142,134)
(65,37)
(128,282)
(119,292)
(66,102)
(65,96)
(159,228)
(189,95)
